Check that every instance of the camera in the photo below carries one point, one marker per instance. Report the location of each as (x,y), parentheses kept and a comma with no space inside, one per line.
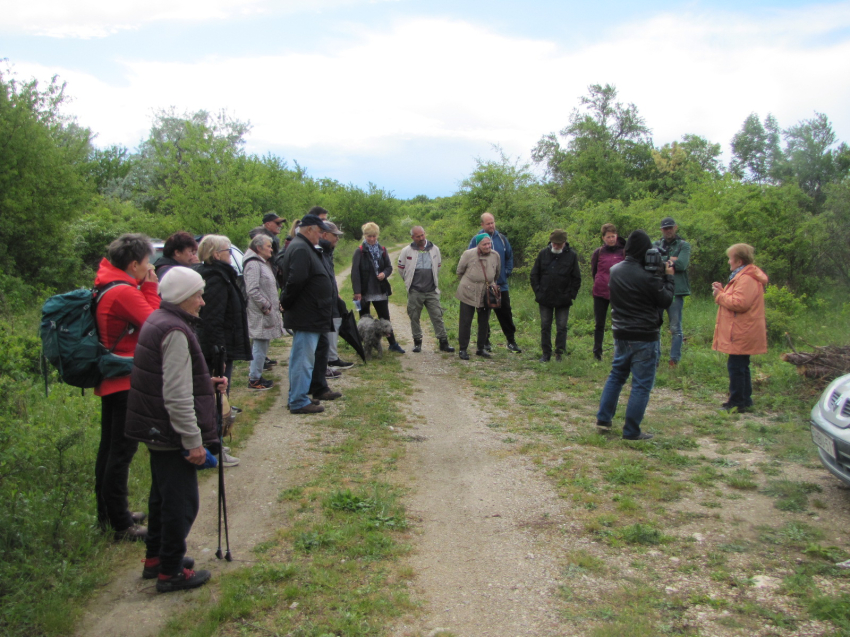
(655,260)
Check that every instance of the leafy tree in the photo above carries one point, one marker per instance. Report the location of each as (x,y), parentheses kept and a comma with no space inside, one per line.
(193,167)
(812,157)
(756,154)
(42,187)
(678,166)
(835,238)
(608,151)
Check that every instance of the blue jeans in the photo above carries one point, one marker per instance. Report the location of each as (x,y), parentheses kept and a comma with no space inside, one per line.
(674,320)
(639,359)
(259,349)
(302,359)
(740,383)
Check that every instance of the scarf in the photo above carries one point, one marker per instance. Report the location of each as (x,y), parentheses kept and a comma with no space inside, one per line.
(735,271)
(375,252)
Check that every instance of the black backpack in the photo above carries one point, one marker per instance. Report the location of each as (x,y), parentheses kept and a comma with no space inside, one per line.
(69,339)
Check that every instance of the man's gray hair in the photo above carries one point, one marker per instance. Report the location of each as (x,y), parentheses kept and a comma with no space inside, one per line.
(415,228)
(259,241)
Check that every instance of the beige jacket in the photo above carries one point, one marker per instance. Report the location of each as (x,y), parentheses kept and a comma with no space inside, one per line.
(470,289)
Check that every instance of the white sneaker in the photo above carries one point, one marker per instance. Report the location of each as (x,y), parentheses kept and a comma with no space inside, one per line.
(229,461)
(226,449)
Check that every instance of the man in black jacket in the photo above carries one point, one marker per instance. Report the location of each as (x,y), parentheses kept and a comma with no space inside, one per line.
(555,279)
(636,297)
(308,300)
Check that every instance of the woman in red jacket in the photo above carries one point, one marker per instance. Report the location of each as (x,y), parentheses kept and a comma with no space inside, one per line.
(609,254)
(121,311)
(741,329)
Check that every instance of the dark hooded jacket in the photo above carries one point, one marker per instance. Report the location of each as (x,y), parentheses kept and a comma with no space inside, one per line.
(556,278)
(224,317)
(637,294)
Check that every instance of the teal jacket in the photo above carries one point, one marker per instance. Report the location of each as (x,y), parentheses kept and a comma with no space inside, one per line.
(681,249)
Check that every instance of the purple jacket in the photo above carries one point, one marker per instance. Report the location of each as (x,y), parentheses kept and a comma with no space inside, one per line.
(603,259)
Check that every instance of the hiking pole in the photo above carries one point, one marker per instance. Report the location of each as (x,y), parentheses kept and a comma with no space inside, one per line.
(222,500)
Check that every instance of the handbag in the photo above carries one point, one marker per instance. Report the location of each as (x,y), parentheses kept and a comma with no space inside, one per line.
(492,293)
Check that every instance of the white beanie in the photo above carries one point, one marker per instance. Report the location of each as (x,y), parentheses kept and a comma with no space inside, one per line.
(179,283)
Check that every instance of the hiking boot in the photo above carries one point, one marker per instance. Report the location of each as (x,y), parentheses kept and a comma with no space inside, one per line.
(488,348)
(340,364)
(483,353)
(332,373)
(395,347)
(152,566)
(597,357)
(559,356)
(417,345)
(229,461)
(544,359)
(513,347)
(138,516)
(269,361)
(463,355)
(604,425)
(328,394)
(308,409)
(640,437)
(267,366)
(445,347)
(260,384)
(183,581)
(133,533)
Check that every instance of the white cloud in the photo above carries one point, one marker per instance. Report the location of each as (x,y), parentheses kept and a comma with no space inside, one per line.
(100,18)
(438,79)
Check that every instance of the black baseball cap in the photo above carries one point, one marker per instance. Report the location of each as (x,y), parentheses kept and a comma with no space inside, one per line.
(667,222)
(313,220)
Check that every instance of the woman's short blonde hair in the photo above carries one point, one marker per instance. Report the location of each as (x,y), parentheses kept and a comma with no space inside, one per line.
(211,244)
(371,228)
(743,252)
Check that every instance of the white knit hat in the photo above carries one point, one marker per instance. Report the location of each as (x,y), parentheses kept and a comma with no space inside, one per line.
(179,283)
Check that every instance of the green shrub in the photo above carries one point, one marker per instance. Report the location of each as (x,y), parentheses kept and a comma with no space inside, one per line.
(781,309)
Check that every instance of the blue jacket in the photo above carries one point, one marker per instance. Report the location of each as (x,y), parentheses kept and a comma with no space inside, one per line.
(503,247)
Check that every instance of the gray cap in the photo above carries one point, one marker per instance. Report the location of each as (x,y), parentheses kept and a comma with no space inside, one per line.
(331,227)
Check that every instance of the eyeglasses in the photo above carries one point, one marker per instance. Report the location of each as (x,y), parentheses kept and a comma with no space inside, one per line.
(224,250)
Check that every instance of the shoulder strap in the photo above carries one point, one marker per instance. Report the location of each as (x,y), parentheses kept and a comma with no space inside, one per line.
(98,295)
(484,271)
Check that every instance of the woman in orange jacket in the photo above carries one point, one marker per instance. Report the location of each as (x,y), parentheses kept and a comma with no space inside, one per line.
(740,330)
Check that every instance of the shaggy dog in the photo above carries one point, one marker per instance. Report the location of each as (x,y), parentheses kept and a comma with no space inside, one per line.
(371,332)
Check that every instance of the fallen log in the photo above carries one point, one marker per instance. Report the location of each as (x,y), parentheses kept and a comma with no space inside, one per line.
(828,362)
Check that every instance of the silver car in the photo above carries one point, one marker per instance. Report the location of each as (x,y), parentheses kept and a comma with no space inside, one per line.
(831,428)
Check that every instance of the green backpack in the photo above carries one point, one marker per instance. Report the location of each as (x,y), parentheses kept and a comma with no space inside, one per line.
(69,339)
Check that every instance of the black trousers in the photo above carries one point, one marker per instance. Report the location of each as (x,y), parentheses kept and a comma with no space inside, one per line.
(740,384)
(172,508)
(464,329)
(318,382)
(561,316)
(112,467)
(382,309)
(600,315)
(505,317)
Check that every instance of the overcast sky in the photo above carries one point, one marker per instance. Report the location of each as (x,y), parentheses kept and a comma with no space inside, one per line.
(407,93)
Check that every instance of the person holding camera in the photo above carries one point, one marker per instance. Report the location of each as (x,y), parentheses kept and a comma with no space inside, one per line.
(639,288)
(677,252)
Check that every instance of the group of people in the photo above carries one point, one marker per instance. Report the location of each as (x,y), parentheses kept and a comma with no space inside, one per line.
(187,319)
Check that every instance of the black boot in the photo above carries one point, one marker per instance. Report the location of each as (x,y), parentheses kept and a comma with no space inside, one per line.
(463,355)
(417,345)
(445,347)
